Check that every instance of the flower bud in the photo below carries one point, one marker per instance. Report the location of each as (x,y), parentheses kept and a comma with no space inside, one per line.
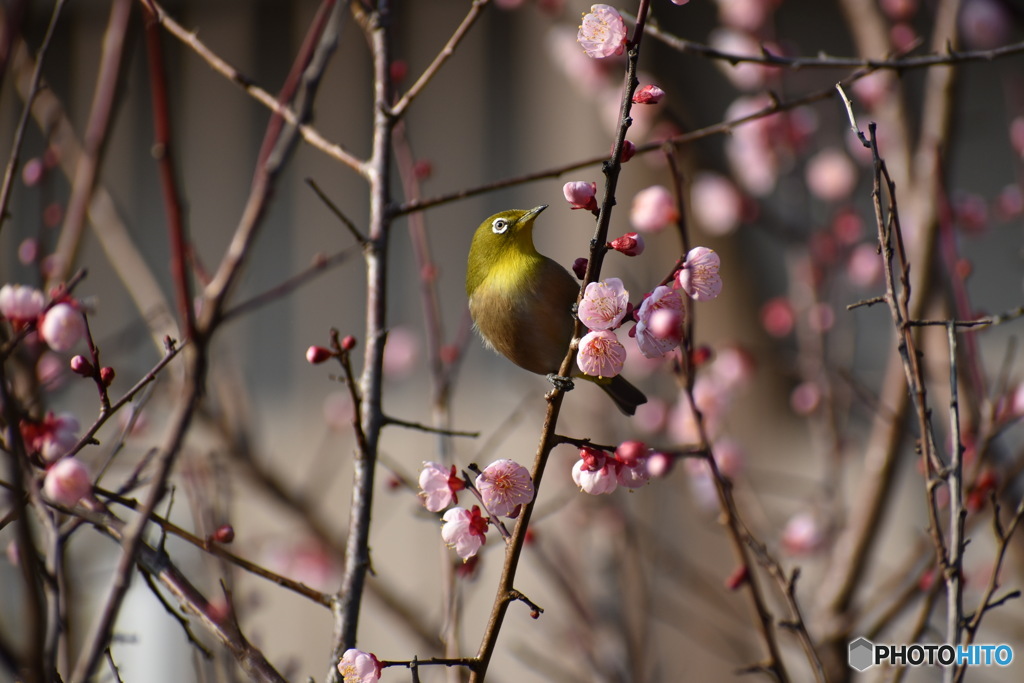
(225,533)
(317,354)
(630,244)
(81,366)
(628,151)
(67,482)
(648,94)
(629,452)
(348,342)
(579,267)
(581,194)
(62,327)
(107,376)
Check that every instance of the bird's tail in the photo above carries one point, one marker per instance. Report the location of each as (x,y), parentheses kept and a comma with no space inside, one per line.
(626,396)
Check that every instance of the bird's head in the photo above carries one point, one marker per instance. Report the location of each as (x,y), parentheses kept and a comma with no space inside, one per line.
(504,242)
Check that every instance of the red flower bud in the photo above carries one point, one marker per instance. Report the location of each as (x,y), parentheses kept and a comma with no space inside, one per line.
(628,151)
(225,533)
(107,376)
(649,94)
(579,266)
(317,354)
(737,578)
(348,342)
(630,244)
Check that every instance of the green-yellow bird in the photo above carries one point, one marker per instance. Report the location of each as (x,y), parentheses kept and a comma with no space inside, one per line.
(521,301)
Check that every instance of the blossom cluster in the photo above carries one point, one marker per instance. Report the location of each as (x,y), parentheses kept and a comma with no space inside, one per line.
(659,318)
(61,326)
(503,487)
(597,472)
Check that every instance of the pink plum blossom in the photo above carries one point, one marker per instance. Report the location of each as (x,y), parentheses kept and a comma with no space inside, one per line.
(777,316)
(67,481)
(633,476)
(831,175)
(21,304)
(464,531)
(357,666)
(51,438)
(717,204)
(630,244)
(603,32)
(600,354)
(581,194)
(439,486)
(62,327)
(662,298)
(803,534)
(864,266)
(594,472)
(648,94)
(504,485)
(699,276)
(746,15)
(805,398)
(630,452)
(985,24)
(653,208)
(604,304)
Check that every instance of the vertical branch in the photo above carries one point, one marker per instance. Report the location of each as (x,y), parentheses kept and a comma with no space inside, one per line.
(95,140)
(168,177)
(348,600)
(957,514)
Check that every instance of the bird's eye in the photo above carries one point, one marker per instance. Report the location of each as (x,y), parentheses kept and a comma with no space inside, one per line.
(499,226)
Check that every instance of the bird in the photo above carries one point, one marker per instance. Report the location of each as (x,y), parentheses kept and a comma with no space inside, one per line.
(522,302)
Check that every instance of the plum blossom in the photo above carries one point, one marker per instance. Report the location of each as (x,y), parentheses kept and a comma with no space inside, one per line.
(633,476)
(581,194)
(601,354)
(604,304)
(603,32)
(653,208)
(51,438)
(630,244)
(595,472)
(464,531)
(803,534)
(831,175)
(439,486)
(699,276)
(648,94)
(357,666)
(62,327)
(504,485)
(662,298)
(21,304)
(717,204)
(67,481)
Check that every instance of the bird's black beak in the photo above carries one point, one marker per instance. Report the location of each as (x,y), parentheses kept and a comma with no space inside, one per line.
(532,213)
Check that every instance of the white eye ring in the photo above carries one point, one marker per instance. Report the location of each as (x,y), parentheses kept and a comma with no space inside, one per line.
(499,226)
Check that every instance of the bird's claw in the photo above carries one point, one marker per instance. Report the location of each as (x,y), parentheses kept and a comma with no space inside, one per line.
(561,383)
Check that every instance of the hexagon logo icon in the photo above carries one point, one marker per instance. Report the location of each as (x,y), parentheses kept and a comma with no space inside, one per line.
(862,654)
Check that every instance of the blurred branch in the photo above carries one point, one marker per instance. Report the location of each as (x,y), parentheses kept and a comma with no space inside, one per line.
(276,105)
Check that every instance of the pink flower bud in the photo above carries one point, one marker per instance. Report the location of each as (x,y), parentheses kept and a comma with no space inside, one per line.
(660,464)
(630,244)
(423,169)
(648,94)
(581,194)
(738,577)
(107,376)
(81,366)
(629,452)
(67,482)
(348,342)
(653,209)
(602,33)
(777,317)
(62,327)
(579,267)
(628,151)
(317,354)
(803,534)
